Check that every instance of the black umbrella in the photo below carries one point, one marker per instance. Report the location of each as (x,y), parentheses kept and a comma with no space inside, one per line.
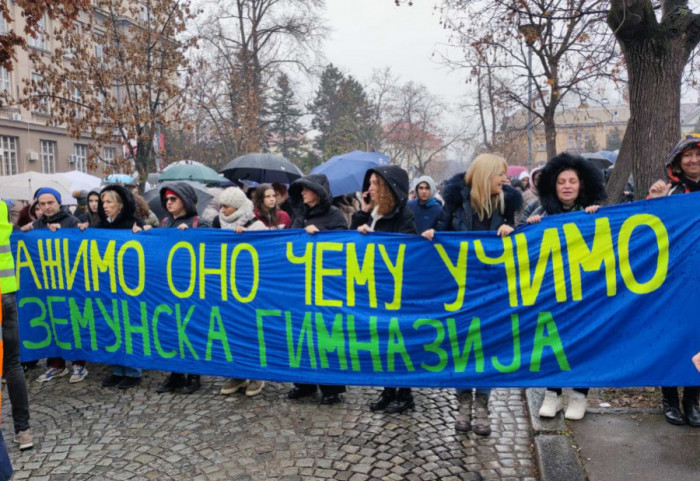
(153,199)
(597,161)
(262,168)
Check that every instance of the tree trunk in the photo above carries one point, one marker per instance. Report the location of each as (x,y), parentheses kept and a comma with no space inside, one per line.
(550,130)
(655,55)
(655,99)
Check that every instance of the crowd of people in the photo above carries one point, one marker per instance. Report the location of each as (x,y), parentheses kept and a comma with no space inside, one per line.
(481,199)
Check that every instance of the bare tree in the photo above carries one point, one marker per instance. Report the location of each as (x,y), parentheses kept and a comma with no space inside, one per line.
(421,131)
(117,76)
(567,40)
(657,46)
(247,44)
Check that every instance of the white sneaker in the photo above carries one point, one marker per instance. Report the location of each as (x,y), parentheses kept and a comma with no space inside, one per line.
(551,404)
(25,439)
(577,406)
(52,373)
(79,373)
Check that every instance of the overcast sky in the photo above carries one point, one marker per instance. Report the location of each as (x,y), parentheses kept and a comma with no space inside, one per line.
(373,34)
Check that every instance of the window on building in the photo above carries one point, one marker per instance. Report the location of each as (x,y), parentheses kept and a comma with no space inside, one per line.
(572,142)
(3,26)
(77,100)
(5,81)
(8,155)
(48,157)
(40,90)
(108,155)
(40,40)
(80,157)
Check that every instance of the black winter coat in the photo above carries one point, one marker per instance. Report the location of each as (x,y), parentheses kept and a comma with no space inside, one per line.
(323,215)
(457,211)
(127,217)
(401,218)
(189,199)
(63,218)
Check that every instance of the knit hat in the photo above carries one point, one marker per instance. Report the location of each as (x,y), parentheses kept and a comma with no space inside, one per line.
(233,197)
(81,196)
(48,190)
(524,174)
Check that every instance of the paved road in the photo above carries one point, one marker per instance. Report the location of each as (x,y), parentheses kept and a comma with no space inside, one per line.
(84,432)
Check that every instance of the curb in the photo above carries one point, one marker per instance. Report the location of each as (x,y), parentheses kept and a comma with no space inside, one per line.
(557,459)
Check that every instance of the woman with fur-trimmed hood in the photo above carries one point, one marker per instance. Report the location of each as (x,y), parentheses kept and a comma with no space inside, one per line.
(558,194)
(568,183)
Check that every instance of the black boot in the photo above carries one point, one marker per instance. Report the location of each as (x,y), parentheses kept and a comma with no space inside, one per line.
(191,385)
(690,406)
(403,402)
(672,410)
(174,382)
(301,390)
(384,399)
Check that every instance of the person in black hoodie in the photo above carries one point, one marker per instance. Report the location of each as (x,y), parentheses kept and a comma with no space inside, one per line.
(683,170)
(180,200)
(116,211)
(480,200)
(311,197)
(383,209)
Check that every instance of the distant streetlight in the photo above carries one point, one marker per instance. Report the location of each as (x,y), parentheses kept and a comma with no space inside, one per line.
(530,32)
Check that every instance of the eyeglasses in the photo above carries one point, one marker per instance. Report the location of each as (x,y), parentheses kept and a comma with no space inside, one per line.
(170,198)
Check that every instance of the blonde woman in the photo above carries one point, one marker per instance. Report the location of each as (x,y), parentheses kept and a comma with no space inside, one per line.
(480,200)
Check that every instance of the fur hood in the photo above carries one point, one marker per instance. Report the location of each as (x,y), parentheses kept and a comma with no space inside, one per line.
(592,184)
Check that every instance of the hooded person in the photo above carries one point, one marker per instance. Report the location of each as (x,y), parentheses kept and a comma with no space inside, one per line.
(383,209)
(311,197)
(426,208)
(81,210)
(54,215)
(117,211)
(313,205)
(236,214)
(683,170)
(552,200)
(568,183)
(530,195)
(180,201)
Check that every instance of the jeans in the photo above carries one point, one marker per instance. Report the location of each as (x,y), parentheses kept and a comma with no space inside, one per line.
(13,372)
(125,371)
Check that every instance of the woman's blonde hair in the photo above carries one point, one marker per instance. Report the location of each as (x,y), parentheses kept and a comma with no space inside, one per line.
(478,177)
(114,197)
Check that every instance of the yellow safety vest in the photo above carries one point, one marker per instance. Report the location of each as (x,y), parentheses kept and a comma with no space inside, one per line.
(8,281)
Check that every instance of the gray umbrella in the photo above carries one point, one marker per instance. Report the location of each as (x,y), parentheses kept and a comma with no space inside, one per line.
(262,168)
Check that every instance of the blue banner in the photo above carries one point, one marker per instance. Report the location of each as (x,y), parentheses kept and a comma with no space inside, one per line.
(606,299)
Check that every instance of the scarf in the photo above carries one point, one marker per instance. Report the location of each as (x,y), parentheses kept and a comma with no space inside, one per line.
(239,218)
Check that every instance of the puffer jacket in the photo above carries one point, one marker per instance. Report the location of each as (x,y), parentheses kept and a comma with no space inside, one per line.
(323,215)
(189,199)
(457,212)
(126,217)
(400,219)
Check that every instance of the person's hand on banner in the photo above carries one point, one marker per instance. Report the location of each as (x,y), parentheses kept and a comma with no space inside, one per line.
(696,361)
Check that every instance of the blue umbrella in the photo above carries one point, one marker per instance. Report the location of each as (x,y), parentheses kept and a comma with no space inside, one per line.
(119,179)
(346,172)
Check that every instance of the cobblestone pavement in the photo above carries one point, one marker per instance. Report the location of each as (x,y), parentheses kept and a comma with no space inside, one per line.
(84,432)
